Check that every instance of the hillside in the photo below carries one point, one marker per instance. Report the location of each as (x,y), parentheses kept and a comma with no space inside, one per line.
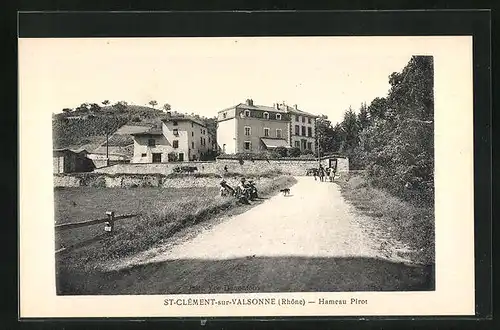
(85,126)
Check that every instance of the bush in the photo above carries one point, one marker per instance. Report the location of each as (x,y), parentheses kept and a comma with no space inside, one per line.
(294,152)
(281,151)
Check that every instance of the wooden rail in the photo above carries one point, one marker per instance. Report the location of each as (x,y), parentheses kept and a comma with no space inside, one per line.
(112,218)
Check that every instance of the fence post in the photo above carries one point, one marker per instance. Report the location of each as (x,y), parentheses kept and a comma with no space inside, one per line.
(110,224)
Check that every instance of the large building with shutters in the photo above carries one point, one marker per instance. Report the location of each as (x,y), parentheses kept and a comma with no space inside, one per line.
(250,128)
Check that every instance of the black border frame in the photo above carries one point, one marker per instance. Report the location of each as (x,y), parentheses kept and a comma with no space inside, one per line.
(315,23)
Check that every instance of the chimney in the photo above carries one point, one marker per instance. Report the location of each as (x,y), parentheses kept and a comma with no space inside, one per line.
(277,105)
(295,106)
(250,102)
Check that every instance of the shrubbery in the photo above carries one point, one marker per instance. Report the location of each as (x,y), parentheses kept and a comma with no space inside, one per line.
(393,137)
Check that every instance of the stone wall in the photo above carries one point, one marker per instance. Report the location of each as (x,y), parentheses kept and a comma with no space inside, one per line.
(146,180)
(289,166)
(156,168)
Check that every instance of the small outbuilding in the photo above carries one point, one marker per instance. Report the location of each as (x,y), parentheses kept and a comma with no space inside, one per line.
(67,161)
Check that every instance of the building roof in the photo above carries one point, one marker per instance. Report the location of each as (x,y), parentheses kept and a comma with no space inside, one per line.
(274,143)
(288,109)
(185,118)
(300,112)
(254,107)
(152,131)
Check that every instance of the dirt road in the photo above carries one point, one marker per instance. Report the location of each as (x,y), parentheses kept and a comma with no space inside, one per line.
(308,241)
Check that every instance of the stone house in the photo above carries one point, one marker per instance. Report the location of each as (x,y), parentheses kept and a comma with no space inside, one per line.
(180,138)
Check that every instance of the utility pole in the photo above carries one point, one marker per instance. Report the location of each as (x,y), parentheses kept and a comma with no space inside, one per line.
(107,145)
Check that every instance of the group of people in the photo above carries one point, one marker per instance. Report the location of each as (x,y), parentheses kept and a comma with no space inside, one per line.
(244,191)
(325,174)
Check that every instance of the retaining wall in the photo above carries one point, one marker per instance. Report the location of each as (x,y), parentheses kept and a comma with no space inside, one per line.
(143,180)
(293,167)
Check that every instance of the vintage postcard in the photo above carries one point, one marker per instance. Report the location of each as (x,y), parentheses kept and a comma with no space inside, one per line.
(273,176)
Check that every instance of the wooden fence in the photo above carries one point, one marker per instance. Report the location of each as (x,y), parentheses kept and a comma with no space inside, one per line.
(109,224)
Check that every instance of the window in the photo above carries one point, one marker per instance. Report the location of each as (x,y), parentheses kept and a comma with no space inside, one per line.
(175,144)
(248,130)
(296,117)
(266,131)
(209,139)
(309,131)
(201,140)
(192,124)
(297,144)
(303,119)
(247,145)
(278,116)
(297,130)
(192,133)
(303,130)
(175,123)
(151,142)
(192,144)
(308,120)
(247,113)
(266,115)
(309,145)
(278,132)
(143,155)
(176,132)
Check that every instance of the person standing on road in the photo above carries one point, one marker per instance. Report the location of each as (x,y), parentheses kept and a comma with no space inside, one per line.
(321,173)
(332,174)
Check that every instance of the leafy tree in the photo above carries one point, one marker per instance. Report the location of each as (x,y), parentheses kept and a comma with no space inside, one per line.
(67,110)
(105,102)
(324,134)
(153,103)
(167,107)
(94,107)
(84,107)
(120,106)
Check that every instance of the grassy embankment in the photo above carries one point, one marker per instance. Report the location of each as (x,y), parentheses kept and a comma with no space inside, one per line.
(412,225)
(164,212)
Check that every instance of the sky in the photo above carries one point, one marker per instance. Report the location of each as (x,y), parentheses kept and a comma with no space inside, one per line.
(322,75)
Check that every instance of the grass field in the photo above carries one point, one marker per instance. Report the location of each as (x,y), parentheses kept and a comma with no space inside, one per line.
(87,203)
(410,224)
(164,212)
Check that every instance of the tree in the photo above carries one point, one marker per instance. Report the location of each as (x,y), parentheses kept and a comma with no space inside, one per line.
(84,107)
(363,117)
(324,134)
(120,106)
(105,102)
(67,110)
(167,107)
(153,103)
(95,107)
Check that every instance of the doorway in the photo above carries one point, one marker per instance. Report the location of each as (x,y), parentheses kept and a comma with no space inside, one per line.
(156,157)
(181,156)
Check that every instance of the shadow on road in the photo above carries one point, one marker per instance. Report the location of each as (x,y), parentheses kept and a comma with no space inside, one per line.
(251,274)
